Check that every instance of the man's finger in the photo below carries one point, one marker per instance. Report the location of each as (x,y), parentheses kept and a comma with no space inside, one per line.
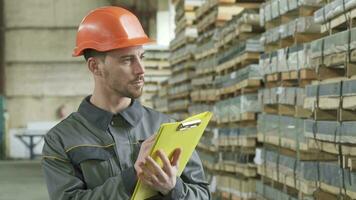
(161,175)
(165,161)
(176,157)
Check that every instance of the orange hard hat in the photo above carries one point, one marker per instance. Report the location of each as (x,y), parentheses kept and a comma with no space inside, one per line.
(109,28)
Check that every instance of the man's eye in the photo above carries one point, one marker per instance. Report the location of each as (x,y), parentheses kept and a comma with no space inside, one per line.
(126,61)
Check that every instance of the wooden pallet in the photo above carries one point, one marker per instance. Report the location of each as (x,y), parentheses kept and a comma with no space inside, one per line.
(240,33)
(205,53)
(340,23)
(337,191)
(217,17)
(301,11)
(243,87)
(333,148)
(298,38)
(247,119)
(239,141)
(238,62)
(287,110)
(205,96)
(180,42)
(346,69)
(247,170)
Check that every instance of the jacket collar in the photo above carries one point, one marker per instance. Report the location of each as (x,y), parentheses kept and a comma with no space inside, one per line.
(102,118)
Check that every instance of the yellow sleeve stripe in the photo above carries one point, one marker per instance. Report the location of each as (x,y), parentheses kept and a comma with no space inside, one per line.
(55,158)
(89,145)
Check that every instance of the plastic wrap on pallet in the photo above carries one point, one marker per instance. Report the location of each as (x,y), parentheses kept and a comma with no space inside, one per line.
(283,6)
(330,89)
(310,2)
(353,39)
(262,15)
(269,97)
(268,12)
(248,17)
(250,45)
(292,4)
(349,87)
(271,193)
(218,110)
(311,91)
(202,47)
(350,182)
(338,6)
(270,156)
(328,131)
(292,27)
(295,57)
(199,108)
(333,9)
(336,43)
(282,60)
(272,125)
(207,62)
(250,72)
(300,93)
(287,164)
(274,62)
(319,16)
(348,133)
(300,131)
(307,25)
(180,89)
(288,127)
(331,174)
(287,95)
(289,29)
(308,170)
(249,103)
(264,64)
(349,4)
(275,8)
(316,48)
(261,122)
(211,158)
(235,108)
(309,128)
(304,57)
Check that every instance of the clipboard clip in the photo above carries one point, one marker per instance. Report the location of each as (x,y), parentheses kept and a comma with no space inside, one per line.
(187,125)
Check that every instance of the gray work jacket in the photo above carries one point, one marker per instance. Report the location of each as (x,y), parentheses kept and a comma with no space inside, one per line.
(91,154)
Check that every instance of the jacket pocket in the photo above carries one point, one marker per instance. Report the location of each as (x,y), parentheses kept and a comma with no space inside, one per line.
(94,162)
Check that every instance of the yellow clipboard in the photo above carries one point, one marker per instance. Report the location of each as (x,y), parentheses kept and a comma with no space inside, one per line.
(185,135)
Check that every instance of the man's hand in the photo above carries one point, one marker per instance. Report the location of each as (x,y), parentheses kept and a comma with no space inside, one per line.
(144,152)
(161,179)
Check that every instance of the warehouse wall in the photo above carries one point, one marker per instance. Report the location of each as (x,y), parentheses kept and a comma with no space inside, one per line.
(40,73)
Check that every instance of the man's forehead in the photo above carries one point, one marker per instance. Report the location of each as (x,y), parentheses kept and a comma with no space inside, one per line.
(135,50)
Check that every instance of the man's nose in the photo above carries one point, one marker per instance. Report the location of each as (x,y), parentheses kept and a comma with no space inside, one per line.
(139,67)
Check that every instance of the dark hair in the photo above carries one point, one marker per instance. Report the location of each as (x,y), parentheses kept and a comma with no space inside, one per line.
(93,53)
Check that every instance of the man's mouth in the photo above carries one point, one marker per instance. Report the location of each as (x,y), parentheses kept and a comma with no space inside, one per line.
(139,82)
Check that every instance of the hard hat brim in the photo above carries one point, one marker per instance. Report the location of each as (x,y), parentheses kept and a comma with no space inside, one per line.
(118,44)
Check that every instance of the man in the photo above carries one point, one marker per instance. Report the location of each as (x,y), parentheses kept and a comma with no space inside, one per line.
(97,152)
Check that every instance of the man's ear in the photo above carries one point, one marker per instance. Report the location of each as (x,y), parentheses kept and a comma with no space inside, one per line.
(93,65)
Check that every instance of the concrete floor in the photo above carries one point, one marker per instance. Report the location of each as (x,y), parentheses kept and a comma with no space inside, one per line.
(22,180)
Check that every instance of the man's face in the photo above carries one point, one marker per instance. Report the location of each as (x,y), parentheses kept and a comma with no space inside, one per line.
(123,72)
